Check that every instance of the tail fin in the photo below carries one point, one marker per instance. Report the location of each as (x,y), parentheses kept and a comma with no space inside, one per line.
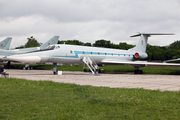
(142,44)
(53,40)
(5,44)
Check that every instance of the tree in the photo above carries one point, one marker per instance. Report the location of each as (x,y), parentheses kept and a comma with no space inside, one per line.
(175,45)
(125,46)
(102,43)
(71,42)
(171,54)
(20,47)
(155,53)
(87,44)
(32,42)
(74,42)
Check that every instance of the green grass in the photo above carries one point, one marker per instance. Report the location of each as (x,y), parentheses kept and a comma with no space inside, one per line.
(108,68)
(22,99)
(161,70)
(50,67)
(146,70)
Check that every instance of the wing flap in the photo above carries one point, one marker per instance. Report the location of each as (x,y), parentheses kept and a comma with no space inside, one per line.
(138,63)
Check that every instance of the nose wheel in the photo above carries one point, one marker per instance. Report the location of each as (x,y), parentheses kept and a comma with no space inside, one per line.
(55,71)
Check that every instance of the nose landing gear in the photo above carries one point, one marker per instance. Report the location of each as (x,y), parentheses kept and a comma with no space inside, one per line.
(55,71)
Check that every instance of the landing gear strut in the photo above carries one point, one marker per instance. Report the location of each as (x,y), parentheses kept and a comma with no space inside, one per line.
(55,71)
(8,65)
(137,71)
(27,67)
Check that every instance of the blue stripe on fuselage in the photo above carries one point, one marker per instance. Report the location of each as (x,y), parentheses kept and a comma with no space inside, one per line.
(77,53)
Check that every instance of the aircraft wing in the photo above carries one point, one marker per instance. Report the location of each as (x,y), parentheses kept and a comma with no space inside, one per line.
(137,63)
(172,60)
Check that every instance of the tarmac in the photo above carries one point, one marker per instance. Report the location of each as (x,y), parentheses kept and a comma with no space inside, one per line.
(128,80)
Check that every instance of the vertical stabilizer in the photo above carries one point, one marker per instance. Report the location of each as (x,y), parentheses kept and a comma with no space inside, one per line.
(142,44)
(53,40)
(5,44)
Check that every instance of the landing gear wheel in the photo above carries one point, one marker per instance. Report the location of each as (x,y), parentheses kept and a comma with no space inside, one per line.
(138,72)
(55,73)
(99,70)
(31,67)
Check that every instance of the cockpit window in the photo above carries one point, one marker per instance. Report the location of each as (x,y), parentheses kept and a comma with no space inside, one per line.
(51,47)
(57,47)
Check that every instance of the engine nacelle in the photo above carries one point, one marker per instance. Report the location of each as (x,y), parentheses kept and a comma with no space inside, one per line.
(138,55)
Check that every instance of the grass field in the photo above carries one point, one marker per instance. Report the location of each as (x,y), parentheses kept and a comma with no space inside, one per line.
(23,99)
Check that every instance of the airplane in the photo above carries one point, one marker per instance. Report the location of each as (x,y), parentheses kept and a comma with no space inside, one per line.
(53,40)
(91,56)
(3,52)
(5,44)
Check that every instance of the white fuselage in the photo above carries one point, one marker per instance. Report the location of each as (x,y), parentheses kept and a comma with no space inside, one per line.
(72,54)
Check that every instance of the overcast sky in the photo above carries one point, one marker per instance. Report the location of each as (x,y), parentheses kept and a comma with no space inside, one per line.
(89,20)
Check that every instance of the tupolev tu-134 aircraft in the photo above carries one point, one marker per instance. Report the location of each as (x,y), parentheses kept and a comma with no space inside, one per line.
(4,51)
(91,56)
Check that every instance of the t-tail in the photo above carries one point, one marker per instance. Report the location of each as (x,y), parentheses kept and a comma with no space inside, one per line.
(142,44)
(5,44)
(53,40)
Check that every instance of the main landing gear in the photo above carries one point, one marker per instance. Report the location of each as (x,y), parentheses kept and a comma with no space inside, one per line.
(27,67)
(9,66)
(137,71)
(55,71)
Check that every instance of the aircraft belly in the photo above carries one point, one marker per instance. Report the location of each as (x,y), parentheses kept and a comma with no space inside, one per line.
(28,59)
(99,59)
(65,60)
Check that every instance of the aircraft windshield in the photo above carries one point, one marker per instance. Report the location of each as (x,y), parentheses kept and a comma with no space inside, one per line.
(51,47)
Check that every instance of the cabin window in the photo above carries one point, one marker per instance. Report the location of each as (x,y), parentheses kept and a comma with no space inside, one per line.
(71,52)
(112,54)
(105,53)
(98,53)
(91,52)
(83,52)
(124,55)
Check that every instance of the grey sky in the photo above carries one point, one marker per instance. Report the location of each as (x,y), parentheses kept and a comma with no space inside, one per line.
(89,20)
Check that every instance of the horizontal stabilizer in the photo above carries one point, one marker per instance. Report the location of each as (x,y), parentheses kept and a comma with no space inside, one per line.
(142,44)
(148,34)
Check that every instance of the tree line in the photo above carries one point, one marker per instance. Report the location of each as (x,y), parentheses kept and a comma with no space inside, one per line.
(154,52)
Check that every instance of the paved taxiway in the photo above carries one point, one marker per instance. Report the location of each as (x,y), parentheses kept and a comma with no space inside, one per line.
(152,82)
